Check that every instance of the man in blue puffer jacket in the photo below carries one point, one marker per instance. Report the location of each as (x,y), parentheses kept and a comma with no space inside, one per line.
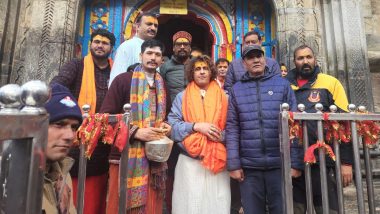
(252,134)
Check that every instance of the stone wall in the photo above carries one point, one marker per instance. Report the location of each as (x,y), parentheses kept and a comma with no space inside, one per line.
(371,16)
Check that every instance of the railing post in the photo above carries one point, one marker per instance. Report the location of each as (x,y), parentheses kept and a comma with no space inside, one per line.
(322,164)
(339,185)
(123,170)
(82,168)
(287,190)
(308,184)
(368,172)
(358,173)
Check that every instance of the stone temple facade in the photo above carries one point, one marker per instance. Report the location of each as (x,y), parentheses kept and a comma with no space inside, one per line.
(38,36)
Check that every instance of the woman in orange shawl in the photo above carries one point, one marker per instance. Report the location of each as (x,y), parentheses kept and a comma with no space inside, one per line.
(198,118)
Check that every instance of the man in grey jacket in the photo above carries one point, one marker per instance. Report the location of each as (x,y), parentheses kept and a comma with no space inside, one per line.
(173,73)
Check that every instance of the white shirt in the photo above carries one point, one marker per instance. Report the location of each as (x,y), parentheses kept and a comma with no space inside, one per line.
(127,54)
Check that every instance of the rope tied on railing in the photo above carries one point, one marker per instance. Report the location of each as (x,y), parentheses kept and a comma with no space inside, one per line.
(96,128)
(309,157)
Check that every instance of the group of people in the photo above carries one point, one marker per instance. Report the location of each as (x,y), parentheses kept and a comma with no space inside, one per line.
(223,118)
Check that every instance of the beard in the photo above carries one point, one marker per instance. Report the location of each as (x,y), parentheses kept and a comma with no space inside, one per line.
(182,55)
(306,71)
(99,56)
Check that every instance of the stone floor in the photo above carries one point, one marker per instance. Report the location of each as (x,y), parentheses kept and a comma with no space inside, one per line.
(350,198)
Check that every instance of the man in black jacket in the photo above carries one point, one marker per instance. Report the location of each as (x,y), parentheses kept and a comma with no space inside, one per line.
(312,87)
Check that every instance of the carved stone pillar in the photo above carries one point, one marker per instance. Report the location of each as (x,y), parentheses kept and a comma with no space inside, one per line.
(42,38)
(346,49)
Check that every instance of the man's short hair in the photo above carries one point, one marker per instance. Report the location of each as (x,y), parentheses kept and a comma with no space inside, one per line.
(252,32)
(189,67)
(301,47)
(150,43)
(105,33)
(220,60)
(146,14)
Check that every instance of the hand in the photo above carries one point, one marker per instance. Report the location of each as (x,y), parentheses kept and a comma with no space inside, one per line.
(210,130)
(166,129)
(295,173)
(237,175)
(148,134)
(346,174)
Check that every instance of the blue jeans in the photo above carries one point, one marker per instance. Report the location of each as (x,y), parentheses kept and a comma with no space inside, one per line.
(261,189)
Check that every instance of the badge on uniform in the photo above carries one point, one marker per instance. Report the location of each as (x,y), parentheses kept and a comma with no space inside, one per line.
(314,96)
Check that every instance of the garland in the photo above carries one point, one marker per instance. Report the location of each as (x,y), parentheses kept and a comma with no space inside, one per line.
(96,128)
(309,157)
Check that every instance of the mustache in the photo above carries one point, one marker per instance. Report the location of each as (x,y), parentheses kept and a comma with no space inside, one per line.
(306,66)
(151,31)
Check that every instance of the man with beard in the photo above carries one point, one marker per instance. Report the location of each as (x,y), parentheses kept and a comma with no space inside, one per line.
(221,68)
(144,89)
(236,69)
(173,73)
(87,80)
(128,53)
(311,86)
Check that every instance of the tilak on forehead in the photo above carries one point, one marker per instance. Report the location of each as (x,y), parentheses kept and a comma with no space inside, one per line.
(102,39)
(182,36)
(200,64)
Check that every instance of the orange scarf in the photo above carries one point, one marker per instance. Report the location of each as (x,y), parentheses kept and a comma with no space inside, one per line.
(214,110)
(87,94)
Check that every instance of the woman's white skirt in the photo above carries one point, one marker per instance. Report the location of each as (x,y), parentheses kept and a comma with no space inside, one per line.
(199,191)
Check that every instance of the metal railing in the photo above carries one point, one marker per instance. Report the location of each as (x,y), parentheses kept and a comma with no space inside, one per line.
(23,137)
(123,167)
(354,116)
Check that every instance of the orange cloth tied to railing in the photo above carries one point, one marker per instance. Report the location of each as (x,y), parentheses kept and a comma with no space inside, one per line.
(214,110)
(309,157)
(96,127)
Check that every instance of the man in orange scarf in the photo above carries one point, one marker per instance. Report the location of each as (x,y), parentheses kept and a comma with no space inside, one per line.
(198,117)
(87,79)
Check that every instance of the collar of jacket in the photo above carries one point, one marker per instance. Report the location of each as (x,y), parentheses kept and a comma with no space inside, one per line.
(267,74)
(292,78)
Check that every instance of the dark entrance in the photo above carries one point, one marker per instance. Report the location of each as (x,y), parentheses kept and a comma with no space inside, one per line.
(198,28)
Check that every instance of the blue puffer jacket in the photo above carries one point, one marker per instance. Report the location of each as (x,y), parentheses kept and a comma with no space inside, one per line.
(252,133)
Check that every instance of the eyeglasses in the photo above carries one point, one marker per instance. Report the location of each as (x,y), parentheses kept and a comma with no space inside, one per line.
(179,44)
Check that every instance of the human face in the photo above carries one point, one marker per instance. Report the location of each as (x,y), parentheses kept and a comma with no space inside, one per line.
(305,63)
(284,71)
(252,40)
(255,63)
(100,47)
(151,59)
(182,48)
(61,135)
(147,28)
(202,74)
(222,69)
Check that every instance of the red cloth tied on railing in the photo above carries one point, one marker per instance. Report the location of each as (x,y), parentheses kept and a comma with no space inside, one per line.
(295,130)
(309,157)
(96,128)
(369,130)
(336,130)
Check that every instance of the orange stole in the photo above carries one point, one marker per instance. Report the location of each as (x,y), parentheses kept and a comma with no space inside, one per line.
(87,94)
(214,110)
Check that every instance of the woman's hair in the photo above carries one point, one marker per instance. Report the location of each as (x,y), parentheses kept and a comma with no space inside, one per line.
(189,67)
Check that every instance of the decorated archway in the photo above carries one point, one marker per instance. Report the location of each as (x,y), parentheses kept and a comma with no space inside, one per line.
(219,24)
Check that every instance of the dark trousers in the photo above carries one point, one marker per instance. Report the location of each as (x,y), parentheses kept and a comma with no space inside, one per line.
(299,191)
(261,189)
(235,196)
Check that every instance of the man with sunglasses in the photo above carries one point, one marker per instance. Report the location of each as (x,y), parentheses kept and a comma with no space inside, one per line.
(173,73)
